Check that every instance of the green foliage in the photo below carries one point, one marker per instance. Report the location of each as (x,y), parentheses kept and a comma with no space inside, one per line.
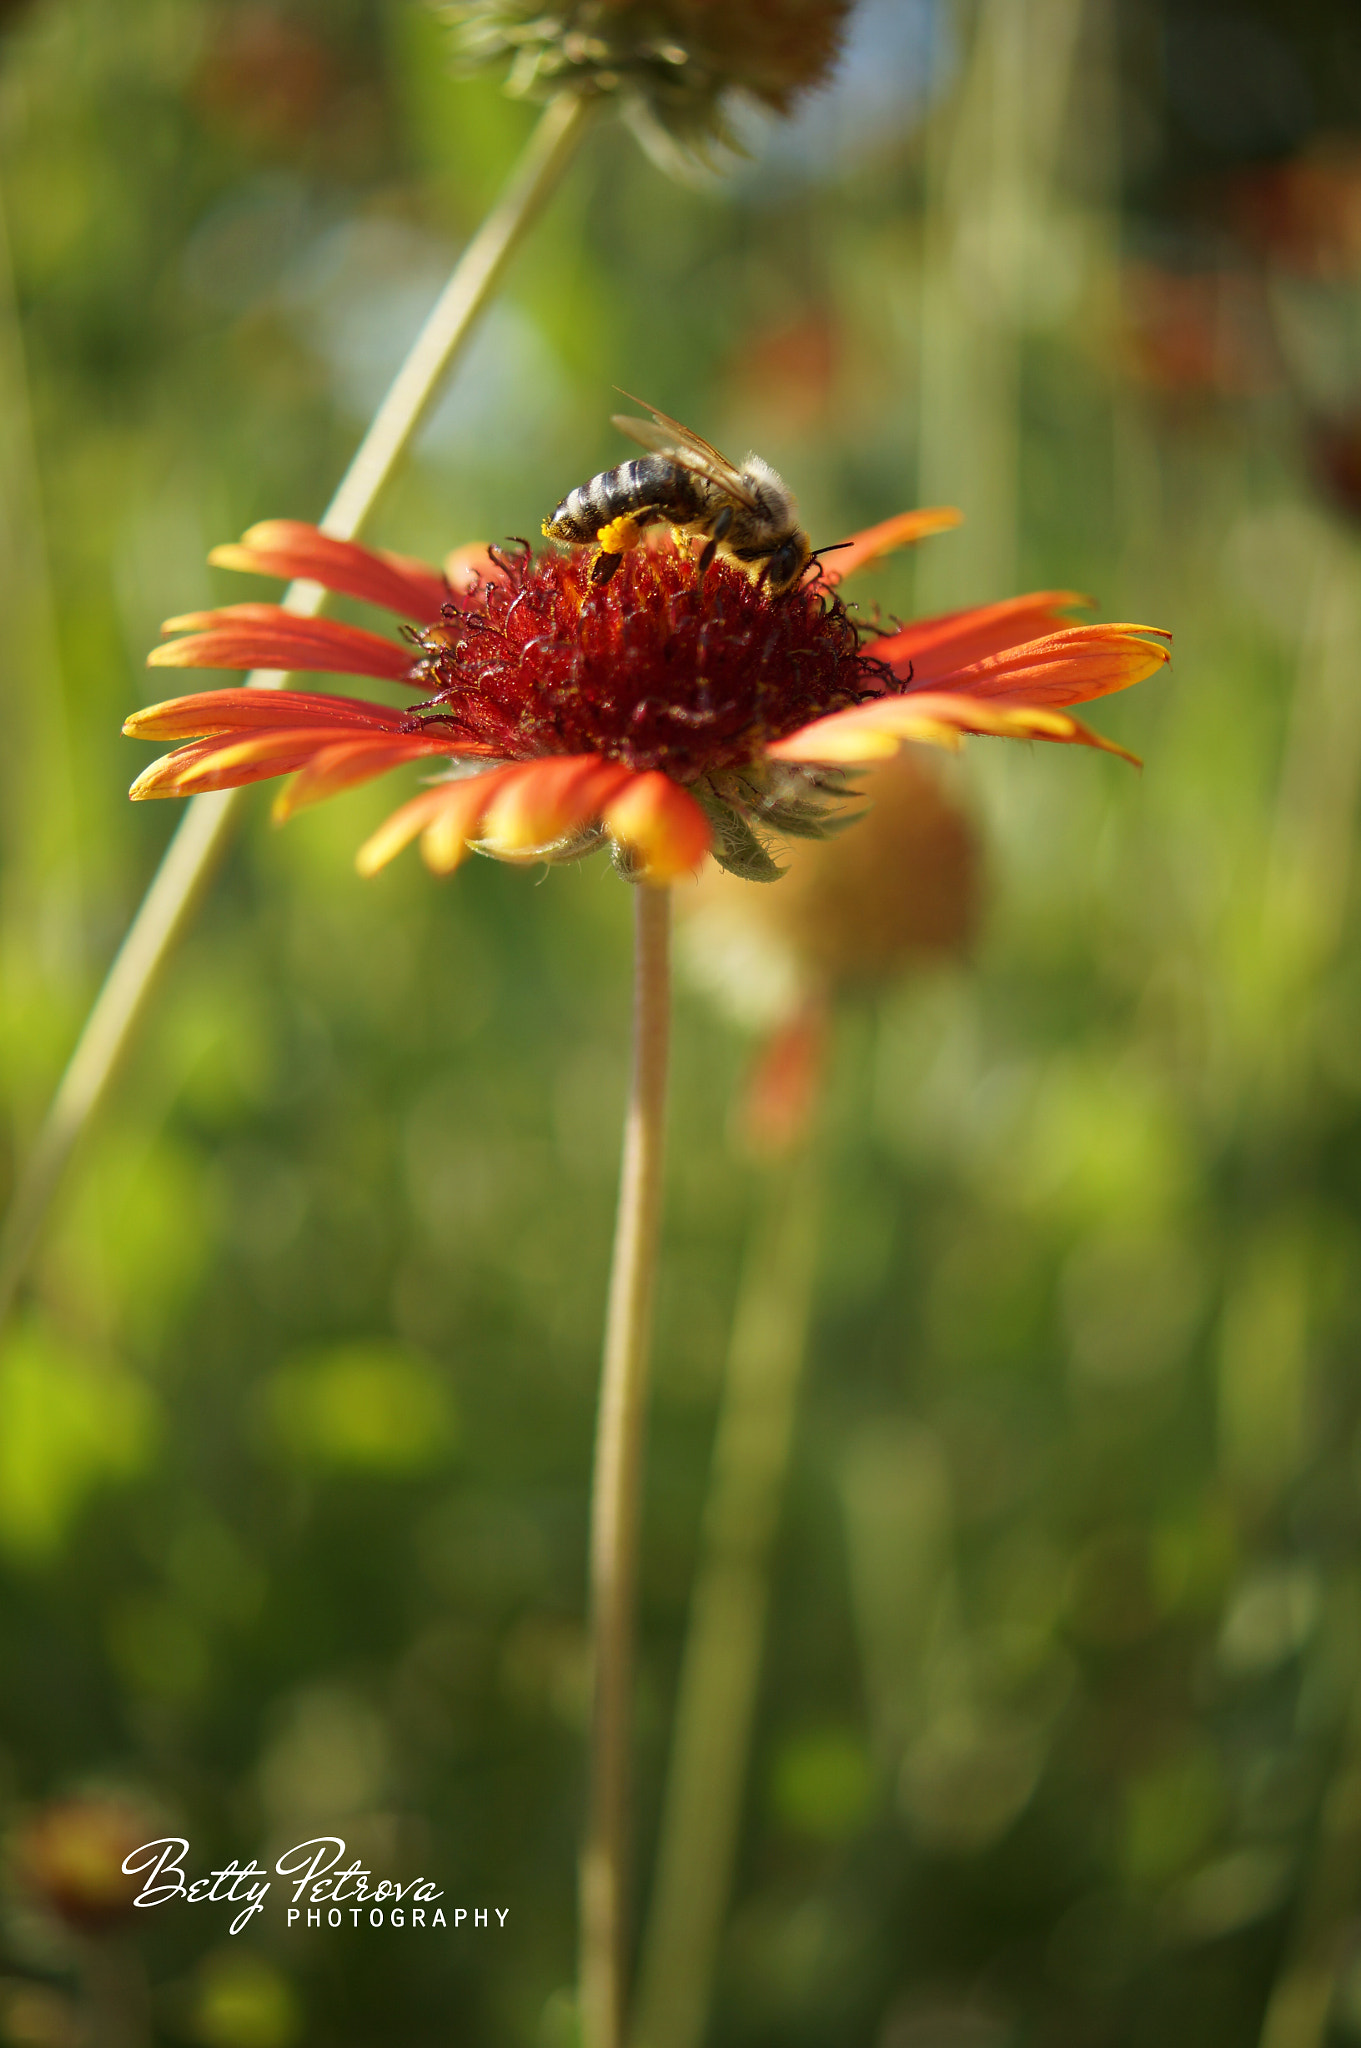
(69,1424)
(822,1784)
(374,1408)
(1059,1721)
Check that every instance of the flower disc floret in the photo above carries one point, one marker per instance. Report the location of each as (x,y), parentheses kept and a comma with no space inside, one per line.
(658,669)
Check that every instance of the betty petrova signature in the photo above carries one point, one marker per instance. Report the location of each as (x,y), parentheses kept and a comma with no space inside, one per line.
(322,1893)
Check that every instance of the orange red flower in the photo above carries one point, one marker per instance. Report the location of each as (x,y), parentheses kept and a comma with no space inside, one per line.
(668,713)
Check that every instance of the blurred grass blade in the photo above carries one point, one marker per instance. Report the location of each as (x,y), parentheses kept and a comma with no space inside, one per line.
(202,835)
(1317,1953)
(721,1666)
(37,719)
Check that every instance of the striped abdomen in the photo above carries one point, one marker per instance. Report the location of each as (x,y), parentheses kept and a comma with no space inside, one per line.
(648,489)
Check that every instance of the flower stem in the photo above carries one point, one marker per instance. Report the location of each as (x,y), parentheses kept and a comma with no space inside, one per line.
(616,1484)
(202,836)
(721,1664)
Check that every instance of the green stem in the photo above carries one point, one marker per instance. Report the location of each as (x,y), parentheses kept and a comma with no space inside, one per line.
(721,1664)
(616,1485)
(192,855)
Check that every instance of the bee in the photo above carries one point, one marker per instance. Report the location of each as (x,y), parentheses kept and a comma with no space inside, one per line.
(747,514)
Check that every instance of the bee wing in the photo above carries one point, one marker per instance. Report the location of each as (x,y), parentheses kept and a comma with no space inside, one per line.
(665,436)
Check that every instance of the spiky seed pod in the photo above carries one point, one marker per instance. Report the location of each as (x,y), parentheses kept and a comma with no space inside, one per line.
(671,63)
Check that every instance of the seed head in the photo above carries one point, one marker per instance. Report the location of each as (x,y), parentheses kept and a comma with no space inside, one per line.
(671,63)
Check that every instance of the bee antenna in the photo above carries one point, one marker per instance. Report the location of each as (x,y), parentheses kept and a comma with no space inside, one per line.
(830,549)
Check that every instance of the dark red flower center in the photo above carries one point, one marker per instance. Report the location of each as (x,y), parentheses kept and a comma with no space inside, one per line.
(659,668)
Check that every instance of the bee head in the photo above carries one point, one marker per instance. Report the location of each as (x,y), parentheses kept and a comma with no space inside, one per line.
(787,562)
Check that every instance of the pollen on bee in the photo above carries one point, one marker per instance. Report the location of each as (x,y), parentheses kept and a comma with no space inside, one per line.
(620,537)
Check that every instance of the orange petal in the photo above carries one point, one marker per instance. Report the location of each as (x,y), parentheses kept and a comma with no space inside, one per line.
(397,831)
(446,815)
(935,648)
(227,762)
(445,840)
(661,825)
(350,762)
(289,548)
(897,532)
(255,612)
(470,566)
(874,732)
(216,711)
(266,636)
(545,801)
(1069,667)
(871,732)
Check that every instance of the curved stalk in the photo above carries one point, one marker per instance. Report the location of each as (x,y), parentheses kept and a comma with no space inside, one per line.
(193,853)
(616,1484)
(721,1663)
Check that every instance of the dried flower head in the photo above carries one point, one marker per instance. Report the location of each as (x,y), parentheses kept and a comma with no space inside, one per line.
(855,909)
(669,712)
(903,887)
(671,63)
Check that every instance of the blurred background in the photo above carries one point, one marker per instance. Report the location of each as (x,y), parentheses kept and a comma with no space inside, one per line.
(1059,1738)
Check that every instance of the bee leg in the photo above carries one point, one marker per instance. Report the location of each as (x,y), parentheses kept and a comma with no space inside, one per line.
(718,534)
(615,540)
(721,528)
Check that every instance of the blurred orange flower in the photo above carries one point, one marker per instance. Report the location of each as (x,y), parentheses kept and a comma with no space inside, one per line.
(1198,332)
(900,891)
(68,1855)
(1305,213)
